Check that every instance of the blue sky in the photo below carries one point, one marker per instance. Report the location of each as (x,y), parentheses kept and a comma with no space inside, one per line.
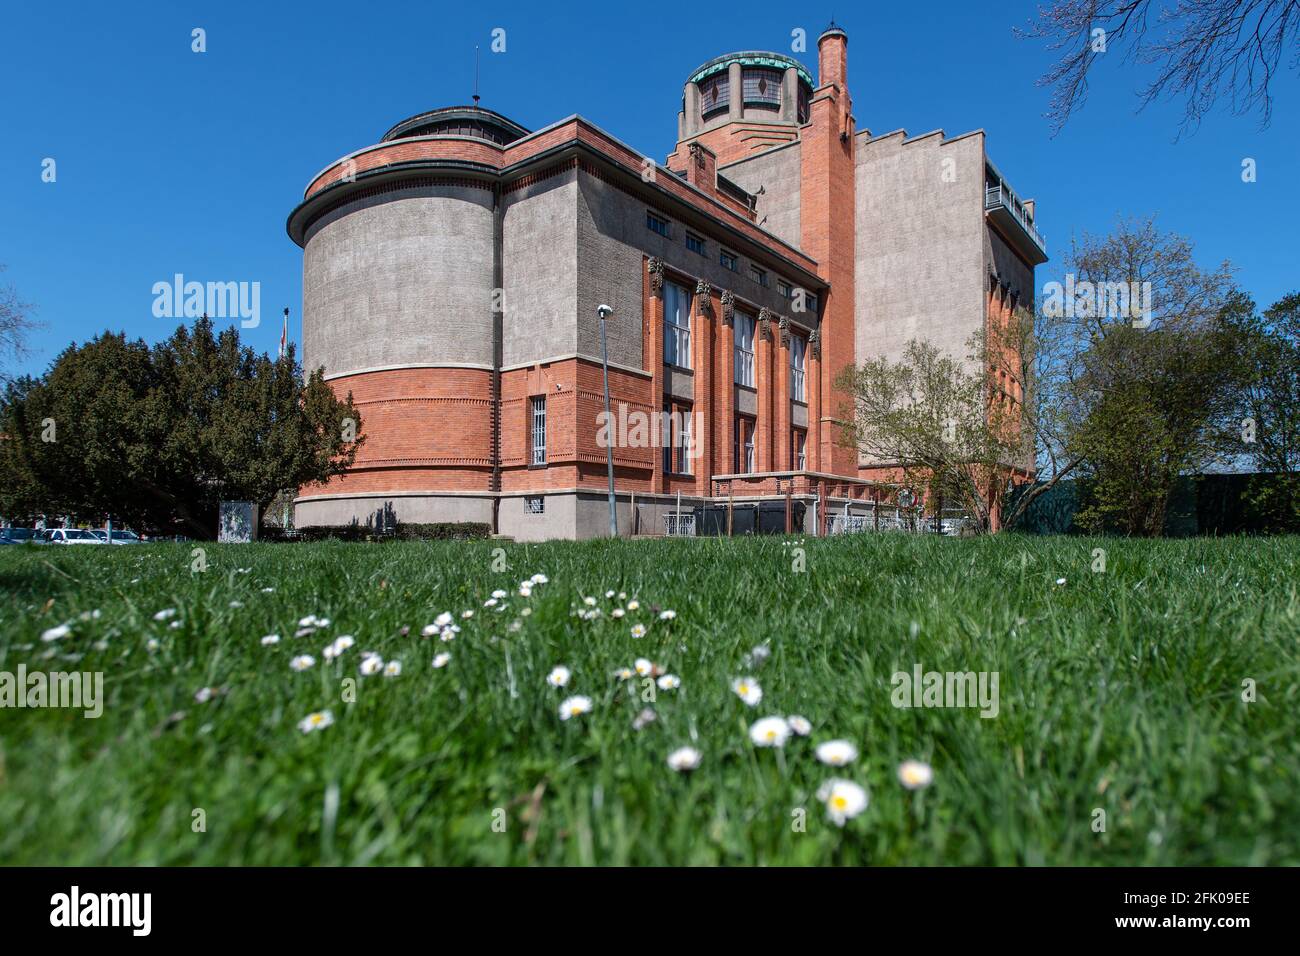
(171,161)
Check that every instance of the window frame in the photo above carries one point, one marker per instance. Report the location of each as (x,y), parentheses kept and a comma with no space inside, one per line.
(677,447)
(675,332)
(652,218)
(728,260)
(798,369)
(536,427)
(699,241)
(743,357)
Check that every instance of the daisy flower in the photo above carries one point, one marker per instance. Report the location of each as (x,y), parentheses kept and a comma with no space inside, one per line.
(638,630)
(684,759)
(667,615)
(525,590)
(152,644)
(270,639)
(769,732)
(393,669)
(747,689)
(317,721)
(669,682)
(609,595)
(539,579)
(203,694)
(844,800)
(466,615)
(837,753)
(449,633)
(624,673)
(760,653)
(1060,581)
(799,725)
(573,706)
(643,667)
(56,633)
(913,774)
(617,612)
(490,602)
(647,716)
(442,620)
(498,594)
(370,665)
(526,611)
(622,595)
(589,601)
(634,605)
(441,660)
(302,662)
(559,676)
(165,614)
(343,642)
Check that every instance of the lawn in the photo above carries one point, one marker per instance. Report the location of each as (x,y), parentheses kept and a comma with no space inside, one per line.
(1119,691)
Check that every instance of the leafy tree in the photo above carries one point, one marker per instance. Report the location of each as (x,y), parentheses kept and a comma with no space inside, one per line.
(1203,50)
(159,437)
(930,415)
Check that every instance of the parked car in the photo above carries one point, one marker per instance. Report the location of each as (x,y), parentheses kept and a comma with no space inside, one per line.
(70,536)
(120,536)
(21,536)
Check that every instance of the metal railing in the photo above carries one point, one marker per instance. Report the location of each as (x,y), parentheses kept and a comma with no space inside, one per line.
(681,525)
(1001,195)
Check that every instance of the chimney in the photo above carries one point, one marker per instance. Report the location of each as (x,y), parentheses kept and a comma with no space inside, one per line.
(833,58)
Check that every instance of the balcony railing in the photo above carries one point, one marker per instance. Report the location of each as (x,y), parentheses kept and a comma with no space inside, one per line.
(999,196)
(679,525)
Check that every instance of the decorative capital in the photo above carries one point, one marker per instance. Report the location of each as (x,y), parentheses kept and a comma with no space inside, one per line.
(703,297)
(656,268)
(783,323)
(815,342)
(728,307)
(765,323)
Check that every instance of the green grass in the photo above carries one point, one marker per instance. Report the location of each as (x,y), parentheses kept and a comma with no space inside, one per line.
(1119,690)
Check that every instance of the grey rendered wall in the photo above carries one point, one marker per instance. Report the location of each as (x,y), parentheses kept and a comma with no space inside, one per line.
(540,270)
(386,277)
(920,254)
(778,172)
(422,509)
(613,238)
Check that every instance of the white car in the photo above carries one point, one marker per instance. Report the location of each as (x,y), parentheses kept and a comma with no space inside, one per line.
(70,536)
(120,536)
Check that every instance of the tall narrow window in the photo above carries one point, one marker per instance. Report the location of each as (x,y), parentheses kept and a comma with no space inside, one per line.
(744,446)
(538,430)
(797,348)
(677,325)
(799,450)
(676,438)
(744,350)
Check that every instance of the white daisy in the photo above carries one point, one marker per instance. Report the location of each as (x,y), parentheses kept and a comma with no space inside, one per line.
(539,579)
(317,721)
(302,662)
(490,602)
(270,639)
(747,689)
(769,732)
(393,669)
(498,594)
(667,615)
(643,666)
(669,682)
(622,595)
(559,676)
(203,694)
(268,590)
(1060,581)
(624,673)
(441,660)
(449,633)
(760,653)
(165,614)
(609,595)
(638,630)
(837,753)
(913,774)
(443,619)
(175,625)
(343,642)
(429,630)
(573,706)
(684,759)
(236,604)
(799,725)
(647,716)
(152,644)
(634,605)
(466,615)
(617,612)
(844,800)
(371,665)
(56,633)
(525,590)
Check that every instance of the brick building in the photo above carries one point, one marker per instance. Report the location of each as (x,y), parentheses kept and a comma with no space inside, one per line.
(452,274)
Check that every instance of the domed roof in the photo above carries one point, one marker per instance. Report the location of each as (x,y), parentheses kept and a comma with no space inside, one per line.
(459,121)
(777,61)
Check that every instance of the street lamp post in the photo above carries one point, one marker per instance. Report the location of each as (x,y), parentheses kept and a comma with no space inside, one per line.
(604,312)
